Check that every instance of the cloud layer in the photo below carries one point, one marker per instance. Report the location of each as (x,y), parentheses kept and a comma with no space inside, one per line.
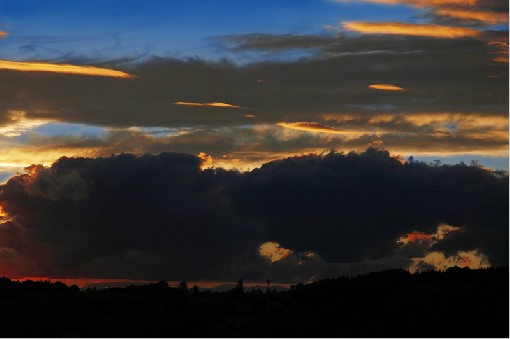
(154,217)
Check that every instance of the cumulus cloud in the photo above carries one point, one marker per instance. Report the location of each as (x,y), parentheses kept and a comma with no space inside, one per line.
(154,217)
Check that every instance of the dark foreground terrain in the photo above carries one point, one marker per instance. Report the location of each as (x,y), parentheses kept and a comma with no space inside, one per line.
(455,303)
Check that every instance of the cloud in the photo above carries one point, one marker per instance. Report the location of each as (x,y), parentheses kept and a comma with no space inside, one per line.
(301,89)
(491,18)
(248,146)
(386,87)
(206,104)
(400,28)
(154,217)
(313,127)
(62,68)
(475,12)
(139,116)
(3,34)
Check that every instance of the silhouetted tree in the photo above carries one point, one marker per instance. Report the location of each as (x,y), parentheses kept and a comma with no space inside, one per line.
(183,287)
(240,287)
(74,288)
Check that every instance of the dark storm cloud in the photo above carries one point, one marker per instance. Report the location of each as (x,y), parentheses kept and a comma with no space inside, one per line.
(154,217)
(354,207)
(145,216)
(440,75)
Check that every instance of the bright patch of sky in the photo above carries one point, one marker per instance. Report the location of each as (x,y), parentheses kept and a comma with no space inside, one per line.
(70,130)
(8,172)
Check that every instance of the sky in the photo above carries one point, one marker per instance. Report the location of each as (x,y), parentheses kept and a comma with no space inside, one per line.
(239,84)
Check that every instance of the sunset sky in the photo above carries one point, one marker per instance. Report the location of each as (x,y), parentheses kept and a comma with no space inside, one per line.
(238,84)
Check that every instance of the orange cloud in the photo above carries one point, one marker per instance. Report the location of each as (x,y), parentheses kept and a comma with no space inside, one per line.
(499,48)
(3,214)
(313,127)
(414,237)
(62,68)
(386,87)
(442,231)
(3,34)
(206,104)
(471,259)
(436,31)
(273,251)
(465,14)
(207,160)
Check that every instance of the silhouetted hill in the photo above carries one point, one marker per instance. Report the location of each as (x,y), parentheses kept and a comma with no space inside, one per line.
(394,303)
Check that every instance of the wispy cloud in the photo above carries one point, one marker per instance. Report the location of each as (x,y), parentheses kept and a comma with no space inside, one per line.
(3,34)
(387,87)
(206,104)
(314,127)
(19,123)
(62,68)
(400,28)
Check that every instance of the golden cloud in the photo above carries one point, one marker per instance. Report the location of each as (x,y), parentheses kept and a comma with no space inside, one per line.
(206,104)
(471,121)
(3,34)
(386,87)
(62,68)
(273,251)
(313,127)
(436,31)
(471,259)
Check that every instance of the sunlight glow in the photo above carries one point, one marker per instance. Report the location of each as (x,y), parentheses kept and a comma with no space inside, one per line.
(62,68)
(2,212)
(20,124)
(207,160)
